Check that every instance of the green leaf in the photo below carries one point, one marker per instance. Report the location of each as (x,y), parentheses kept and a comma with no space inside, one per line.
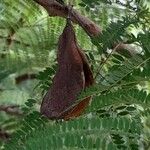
(130,108)
(123,113)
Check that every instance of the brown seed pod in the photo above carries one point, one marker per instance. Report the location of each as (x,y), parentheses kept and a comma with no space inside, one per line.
(73,76)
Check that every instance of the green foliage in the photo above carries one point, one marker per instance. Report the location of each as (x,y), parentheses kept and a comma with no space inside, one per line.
(88,133)
(114,33)
(132,96)
(45,78)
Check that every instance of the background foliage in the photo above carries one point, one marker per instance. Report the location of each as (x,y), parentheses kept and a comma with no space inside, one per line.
(118,117)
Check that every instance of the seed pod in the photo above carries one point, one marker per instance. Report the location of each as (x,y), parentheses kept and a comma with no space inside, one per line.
(72,76)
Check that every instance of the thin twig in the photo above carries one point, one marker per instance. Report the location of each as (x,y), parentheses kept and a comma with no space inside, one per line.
(104,62)
(11,109)
(15,41)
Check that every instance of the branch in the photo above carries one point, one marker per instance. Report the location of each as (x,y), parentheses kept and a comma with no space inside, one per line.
(25,77)
(12,109)
(10,37)
(15,41)
(56,9)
